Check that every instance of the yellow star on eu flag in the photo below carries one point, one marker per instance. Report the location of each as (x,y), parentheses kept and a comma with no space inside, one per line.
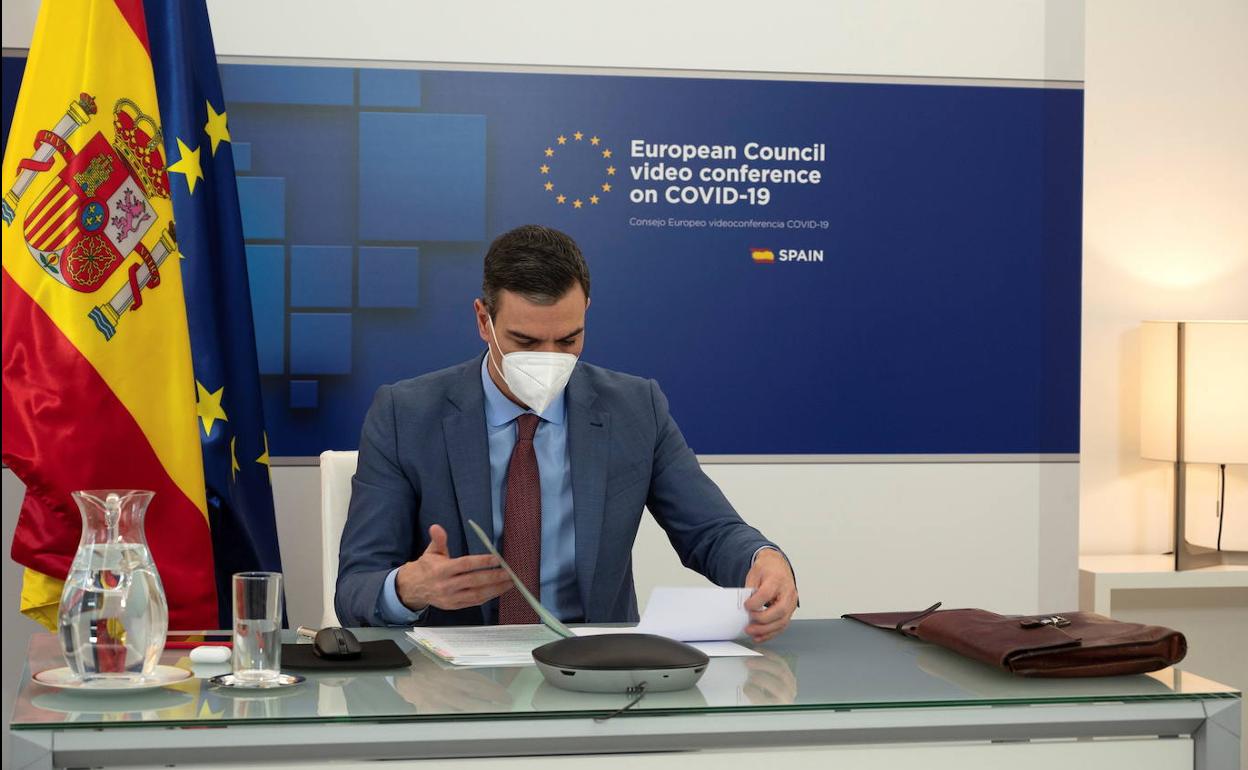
(578,136)
(188,165)
(263,459)
(208,406)
(560,198)
(550,186)
(216,129)
(234,466)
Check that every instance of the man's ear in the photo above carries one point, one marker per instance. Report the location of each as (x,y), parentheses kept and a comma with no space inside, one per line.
(481,314)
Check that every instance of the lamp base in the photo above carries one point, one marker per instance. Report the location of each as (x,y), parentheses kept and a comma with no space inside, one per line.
(1191,556)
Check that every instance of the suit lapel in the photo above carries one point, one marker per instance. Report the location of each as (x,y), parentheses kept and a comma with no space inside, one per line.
(468,451)
(588,437)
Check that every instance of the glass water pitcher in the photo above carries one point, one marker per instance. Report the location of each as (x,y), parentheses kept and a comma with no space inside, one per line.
(113,614)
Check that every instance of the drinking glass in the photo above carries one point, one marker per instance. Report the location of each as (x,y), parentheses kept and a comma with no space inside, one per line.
(257,627)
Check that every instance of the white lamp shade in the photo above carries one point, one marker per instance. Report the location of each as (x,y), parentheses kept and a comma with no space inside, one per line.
(1215,390)
(1159,389)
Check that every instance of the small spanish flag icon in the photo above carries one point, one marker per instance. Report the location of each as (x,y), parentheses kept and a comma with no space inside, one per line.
(763,255)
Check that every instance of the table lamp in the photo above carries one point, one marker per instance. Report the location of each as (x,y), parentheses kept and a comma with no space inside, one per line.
(1194,409)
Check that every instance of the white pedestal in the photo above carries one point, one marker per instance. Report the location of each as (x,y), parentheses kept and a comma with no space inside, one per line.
(1210,607)
(1100,576)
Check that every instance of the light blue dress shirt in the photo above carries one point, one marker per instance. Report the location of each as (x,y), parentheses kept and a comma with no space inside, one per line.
(559,590)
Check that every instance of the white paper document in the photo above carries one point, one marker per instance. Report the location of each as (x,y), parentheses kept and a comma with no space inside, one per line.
(696,614)
(704,618)
(710,649)
(483,645)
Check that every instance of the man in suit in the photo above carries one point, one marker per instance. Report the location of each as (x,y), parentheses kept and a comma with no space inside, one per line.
(552,457)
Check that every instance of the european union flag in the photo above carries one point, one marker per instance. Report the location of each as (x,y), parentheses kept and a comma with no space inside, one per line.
(209,235)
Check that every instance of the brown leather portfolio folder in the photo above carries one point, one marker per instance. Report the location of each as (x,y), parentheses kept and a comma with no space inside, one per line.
(1070,644)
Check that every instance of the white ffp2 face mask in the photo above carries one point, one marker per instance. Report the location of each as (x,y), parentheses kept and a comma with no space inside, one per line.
(535,377)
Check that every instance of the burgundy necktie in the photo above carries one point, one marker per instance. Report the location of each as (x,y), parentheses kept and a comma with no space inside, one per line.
(522,524)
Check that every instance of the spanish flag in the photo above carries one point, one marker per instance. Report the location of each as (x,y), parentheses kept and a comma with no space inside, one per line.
(101,387)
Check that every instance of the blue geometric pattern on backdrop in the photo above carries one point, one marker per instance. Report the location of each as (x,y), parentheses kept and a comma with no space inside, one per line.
(266,274)
(422,177)
(959,306)
(320,276)
(390,276)
(945,319)
(242,157)
(303,394)
(268,84)
(263,201)
(320,343)
(323,278)
(390,88)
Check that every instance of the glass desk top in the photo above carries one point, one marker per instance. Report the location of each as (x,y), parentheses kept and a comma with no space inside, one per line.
(815,665)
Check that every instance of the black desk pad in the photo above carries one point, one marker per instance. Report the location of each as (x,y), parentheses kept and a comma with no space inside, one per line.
(374,656)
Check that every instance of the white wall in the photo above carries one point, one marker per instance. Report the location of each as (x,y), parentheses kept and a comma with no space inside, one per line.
(1165,236)
(1028,39)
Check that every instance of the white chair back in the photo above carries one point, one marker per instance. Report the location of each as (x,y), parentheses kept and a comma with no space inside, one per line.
(337,468)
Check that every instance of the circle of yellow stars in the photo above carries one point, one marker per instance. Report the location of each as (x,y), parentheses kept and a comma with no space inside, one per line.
(558,148)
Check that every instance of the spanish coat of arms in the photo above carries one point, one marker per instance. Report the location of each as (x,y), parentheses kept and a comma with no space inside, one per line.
(95,212)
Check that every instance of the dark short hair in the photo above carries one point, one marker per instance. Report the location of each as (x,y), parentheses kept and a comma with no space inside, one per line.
(539,263)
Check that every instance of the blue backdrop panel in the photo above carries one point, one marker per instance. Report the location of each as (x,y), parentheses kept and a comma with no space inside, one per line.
(320,343)
(389,277)
(422,177)
(389,88)
(266,276)
(321,276)
(943,316)
(274,84)
(263,204)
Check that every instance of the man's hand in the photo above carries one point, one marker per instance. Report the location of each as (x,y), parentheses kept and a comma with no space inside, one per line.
(449,584)
(774,598)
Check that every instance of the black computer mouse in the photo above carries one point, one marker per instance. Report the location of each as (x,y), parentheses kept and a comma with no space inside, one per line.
(336,644)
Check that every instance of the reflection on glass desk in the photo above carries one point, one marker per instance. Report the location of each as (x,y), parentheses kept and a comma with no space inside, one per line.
(817,665)
(823,684)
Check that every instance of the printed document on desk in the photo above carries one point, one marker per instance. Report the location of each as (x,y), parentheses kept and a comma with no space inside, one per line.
(483,645)
(705,618)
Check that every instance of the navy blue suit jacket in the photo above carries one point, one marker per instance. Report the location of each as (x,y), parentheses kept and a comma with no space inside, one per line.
(424,459)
